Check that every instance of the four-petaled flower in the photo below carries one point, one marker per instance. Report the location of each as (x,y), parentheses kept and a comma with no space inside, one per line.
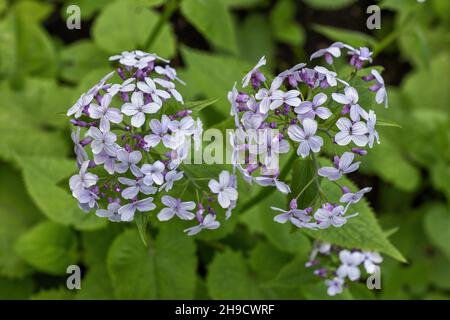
(208,222)
(344,166)
(306,136)
(103,141)
(350,101)
(176,207)
(153,173)
(127,211)
(311,109)
(349,265)
(137,109)
(149,87)
(105,113)
(226,193)
(356,132)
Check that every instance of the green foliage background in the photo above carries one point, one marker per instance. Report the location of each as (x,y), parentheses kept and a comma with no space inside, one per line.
(44,68)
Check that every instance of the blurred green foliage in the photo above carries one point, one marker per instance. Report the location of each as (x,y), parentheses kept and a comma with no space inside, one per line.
(45,67)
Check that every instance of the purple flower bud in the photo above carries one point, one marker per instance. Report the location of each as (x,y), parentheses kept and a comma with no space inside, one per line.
(345,190)
(328,58)
(127,147)
(183,113)
(368,78)
(277,112)
(121,73)
(117,188)
(106,186)
(91,164)
(127,128)
(345,109)
(252,168)
(95,189)
(98,97)
(110,200)
(123,137)
(293,204)
(293,121)
(336,161)
(242,97)
(322,272)
(309,210)
(85,141)
(375,87)
(124,96)
(273,125)
(210,199)
(311,263)
(257,79)
(359,151)
(86,110)
(102,195)
(324,84)
(292,81)
(286,109)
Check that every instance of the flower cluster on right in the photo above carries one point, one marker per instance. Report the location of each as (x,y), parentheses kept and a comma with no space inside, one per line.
(304,107)
(337,272)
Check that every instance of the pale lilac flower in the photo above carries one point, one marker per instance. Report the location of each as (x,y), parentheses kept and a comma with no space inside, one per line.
(334,286)
(373,134)
(80,153)
(308,109)
(332,51)
(175,207)
(350,100)
(170,86)
(344,166)
(127,86)
(350,197)
(289,98)
(112,213)
(170,178)
(349,132)
(135,186)
(160,132)
(208,222)
(149,87)
(253,121)
(184,126)
(297,217)
(306,137)
(371,261)
(292,71)
(169,72)
(126,58)
(248,76)
(349,264)
(77,109)
(105,113)
(128,160)
(87,199)
(330,76)
(266,95)
(153,173)
(137,109)
(319,247)
(271,147)
(226,193)
(380,88)
(330,215)
(359,56)
(232,96)
(82,180)
(144,62)
(127,211)
(102,141)
(108,161)
(273,181)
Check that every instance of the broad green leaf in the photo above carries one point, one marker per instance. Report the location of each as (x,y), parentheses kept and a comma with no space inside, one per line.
(35,11)
(362,231)
(61,293)
(266,260)
(42,178)
(437,226)
(242,3)
(213,20)
(48,247)
(329,4)
(15,289)
(96,244)
(217,73)
(96,284)
(284,26)
(79,58)
(123,25)
(353,38)
(303,174)
(164,270)
(253,45)
(229,277)
(17,214)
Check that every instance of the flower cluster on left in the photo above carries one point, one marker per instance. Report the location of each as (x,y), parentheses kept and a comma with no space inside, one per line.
(130,140)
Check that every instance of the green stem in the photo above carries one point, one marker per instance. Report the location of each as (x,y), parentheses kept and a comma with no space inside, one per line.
(169,9)
(316,176)
(305,187)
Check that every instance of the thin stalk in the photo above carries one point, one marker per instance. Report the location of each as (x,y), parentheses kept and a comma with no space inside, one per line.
(170,7)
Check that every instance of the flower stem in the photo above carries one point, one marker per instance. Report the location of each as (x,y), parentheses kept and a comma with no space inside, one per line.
(169,9)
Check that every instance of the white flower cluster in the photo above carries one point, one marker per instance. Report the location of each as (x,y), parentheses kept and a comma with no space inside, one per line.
(295,110)
(335,275)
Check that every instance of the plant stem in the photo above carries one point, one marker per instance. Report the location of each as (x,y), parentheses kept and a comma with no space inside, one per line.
(169,9)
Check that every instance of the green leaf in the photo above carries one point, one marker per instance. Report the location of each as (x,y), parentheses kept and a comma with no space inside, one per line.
(141,223)
(17,214)
(329,4)
(125,25)
(138,272)
(387,123)
(48,247)
(284,27)
(197,106)
(96,285)
(266,260)
(15,289)
(303,174)
(229,278)
(33,11)
(61,293)
(213,20)
(353,38)
(79,58)
(222,73)
(362,231)
(437,223)
(42,177)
